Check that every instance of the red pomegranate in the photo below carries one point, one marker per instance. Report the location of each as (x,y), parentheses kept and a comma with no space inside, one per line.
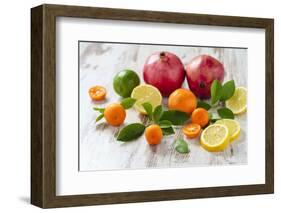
(165,71)
(201,71)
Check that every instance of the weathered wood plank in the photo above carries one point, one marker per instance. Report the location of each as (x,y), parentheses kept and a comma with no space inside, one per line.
(99,149)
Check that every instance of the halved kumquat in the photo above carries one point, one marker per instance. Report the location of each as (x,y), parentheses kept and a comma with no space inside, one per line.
(191,130)
(97,93)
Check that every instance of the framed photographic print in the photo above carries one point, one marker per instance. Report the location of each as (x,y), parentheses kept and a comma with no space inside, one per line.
(136,106)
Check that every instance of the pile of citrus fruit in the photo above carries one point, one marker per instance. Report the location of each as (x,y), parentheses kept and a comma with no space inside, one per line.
(183,108)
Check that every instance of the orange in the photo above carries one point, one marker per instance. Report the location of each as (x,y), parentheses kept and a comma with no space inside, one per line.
(182,100)
(191,130)
(97,93)
(200,116)
(153,134)
(114,114)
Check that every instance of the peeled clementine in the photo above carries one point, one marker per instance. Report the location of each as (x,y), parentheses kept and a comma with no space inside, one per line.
(191,130)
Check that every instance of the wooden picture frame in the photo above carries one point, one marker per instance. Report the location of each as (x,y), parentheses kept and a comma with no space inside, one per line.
(43,105)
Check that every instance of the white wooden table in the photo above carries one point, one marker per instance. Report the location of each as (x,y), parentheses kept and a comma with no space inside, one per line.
(99,149)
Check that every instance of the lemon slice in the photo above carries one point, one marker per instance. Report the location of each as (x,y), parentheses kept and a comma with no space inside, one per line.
(233,128)
(215,138)
(238,102)
(146,93)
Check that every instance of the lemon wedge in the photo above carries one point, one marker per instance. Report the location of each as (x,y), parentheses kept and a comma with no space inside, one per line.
(146,93)
(233,128)
(215,138)
(238,102)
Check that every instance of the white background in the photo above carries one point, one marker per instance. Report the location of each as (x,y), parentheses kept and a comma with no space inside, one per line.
(15,105)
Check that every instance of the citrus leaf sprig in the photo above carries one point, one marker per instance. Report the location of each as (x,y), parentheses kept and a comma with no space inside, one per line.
(222,92)
(219,94)
(158,112)
(227,90)
(149,110)
(131,132)
(204,105)
(215,91)
(225,113)
(101,111)
(165,119)
(181,146)
(155,116)
(175,117)
(127,103)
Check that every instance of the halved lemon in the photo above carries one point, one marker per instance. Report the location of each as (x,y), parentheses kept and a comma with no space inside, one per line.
(233,128)
(146,93)
(238,102)
(215,138)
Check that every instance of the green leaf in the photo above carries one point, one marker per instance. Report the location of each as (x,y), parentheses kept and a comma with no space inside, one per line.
(165,124)
(228,90)
(175,117)
(181,146)
(127,103)
(210,115)
(101,110)
(215,91)
(158,111)
(213,120)
(168,131)
(131,132)
(99,117)
(204,105)
(149,109)
(225,113)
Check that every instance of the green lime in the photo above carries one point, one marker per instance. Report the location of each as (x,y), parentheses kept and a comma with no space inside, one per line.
(124,82)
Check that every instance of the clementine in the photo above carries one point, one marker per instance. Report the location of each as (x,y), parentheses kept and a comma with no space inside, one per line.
(182,100)
(200,116)
(115,114)
(153,134)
